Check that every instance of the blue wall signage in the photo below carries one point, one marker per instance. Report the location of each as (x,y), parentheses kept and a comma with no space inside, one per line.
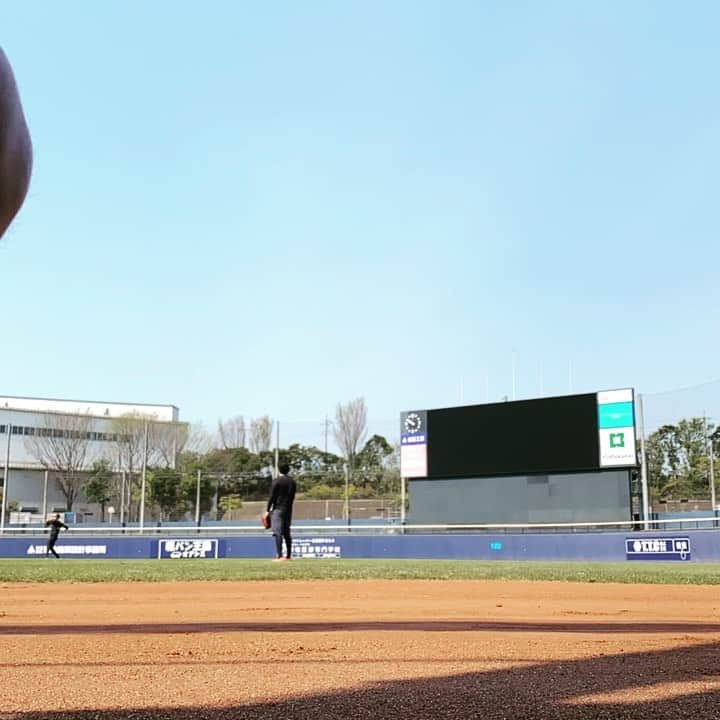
(649,548)
(320,547)
(695,545)
(201,548)
(65,549)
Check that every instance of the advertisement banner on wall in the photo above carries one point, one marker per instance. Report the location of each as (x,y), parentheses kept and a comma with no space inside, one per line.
(675,548)
(323,547)
(616,428)
(199,549)
(76,550)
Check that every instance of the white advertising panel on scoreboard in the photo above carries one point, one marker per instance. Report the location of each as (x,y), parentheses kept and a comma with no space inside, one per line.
(413,461)
(413,444)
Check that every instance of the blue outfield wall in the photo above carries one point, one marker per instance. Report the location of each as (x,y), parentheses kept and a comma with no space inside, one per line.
(699,545)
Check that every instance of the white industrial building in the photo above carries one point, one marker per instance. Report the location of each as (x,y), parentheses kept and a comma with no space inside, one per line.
(26,423)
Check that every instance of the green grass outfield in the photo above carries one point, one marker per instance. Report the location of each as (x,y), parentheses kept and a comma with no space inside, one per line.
(49,570)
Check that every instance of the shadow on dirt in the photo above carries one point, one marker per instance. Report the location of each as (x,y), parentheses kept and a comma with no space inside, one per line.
(643,685)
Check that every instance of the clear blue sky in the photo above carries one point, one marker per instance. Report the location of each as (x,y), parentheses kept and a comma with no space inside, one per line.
(273,207)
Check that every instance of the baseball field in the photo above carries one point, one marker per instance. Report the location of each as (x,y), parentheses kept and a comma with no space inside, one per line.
(357,639)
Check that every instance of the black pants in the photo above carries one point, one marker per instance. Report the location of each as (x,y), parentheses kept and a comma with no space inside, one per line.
(51,546)
(280,524)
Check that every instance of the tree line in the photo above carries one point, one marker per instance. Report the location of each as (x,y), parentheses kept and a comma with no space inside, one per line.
(680,459)
(179,462)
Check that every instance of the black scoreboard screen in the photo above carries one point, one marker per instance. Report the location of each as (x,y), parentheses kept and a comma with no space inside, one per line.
(548,435)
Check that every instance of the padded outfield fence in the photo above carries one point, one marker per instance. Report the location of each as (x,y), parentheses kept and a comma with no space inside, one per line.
(599,542)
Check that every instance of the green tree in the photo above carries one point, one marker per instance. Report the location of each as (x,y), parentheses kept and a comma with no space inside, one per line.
(230,502)
(677,460)
(376,471)
(374,452)
(189,489)
(234,461)
(309,460)
(97,487)
(312,466)
(323,491)
(165,492)
(694,459)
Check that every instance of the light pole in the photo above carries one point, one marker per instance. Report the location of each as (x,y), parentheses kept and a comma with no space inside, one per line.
(45,488)
(197,499)
(708,445)
(5,480)
(144,479)
(347,494)
(643,468)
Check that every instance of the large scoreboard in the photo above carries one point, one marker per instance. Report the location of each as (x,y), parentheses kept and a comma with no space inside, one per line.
(571,433)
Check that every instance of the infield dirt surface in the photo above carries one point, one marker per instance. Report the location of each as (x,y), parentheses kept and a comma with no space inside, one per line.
(359,649)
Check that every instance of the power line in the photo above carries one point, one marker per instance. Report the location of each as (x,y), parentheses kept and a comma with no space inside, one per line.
(683,389)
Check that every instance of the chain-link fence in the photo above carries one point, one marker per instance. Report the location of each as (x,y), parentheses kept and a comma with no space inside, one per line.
(680,444)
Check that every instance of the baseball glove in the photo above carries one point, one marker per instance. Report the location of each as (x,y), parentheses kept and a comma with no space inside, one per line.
(265,520)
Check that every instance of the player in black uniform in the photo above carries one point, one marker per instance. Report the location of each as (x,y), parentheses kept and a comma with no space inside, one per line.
(55,526)
(280,507)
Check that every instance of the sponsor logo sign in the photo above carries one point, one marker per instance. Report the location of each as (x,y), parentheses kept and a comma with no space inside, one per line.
(202,548)
(673,548)
(316,548)
(62,549)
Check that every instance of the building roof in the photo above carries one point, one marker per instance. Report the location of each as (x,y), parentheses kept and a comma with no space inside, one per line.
(163,413)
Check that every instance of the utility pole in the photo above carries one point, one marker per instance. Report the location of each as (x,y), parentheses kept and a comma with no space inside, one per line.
(5,480)
(709,447)
(45,488)
(197,499)
(144,480)
(277,449)
(347,493)
(122,497)
(326,426)
(643,468)
(514,384)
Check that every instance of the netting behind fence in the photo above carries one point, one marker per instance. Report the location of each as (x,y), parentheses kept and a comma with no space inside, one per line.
(682,446)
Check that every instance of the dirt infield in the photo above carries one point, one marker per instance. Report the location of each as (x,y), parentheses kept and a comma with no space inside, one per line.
(359,649)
